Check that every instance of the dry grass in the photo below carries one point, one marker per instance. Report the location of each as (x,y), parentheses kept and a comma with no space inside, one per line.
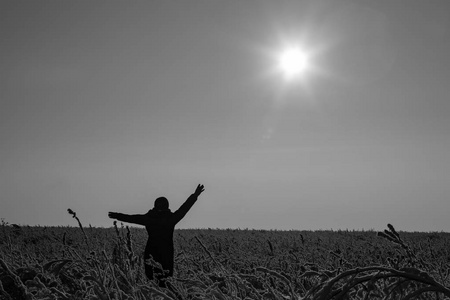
(98,263)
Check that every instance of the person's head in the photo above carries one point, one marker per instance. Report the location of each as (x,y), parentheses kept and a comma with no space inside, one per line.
(161,203)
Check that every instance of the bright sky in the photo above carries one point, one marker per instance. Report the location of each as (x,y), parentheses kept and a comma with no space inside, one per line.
(106,106)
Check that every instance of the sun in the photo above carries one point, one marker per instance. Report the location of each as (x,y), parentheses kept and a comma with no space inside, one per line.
(293,62)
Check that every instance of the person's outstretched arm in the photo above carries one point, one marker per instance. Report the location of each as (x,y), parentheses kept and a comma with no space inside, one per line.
(136,219)
(182,211)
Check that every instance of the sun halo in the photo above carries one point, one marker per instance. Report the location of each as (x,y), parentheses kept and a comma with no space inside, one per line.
(293,62)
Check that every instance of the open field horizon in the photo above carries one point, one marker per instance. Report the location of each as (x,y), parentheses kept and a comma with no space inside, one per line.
(331,230)
(106,263)
(264,145)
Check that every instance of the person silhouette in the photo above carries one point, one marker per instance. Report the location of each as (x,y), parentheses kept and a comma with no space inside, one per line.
(160,223)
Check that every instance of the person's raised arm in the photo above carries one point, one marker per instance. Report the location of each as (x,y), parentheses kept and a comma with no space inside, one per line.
(182,211)
(136,219)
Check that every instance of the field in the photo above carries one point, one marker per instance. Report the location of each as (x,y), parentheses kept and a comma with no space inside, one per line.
(106,263)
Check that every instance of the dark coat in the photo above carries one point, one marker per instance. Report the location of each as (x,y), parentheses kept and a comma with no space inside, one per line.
(160,225)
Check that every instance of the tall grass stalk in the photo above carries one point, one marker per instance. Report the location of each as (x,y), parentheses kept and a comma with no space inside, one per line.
(74,215)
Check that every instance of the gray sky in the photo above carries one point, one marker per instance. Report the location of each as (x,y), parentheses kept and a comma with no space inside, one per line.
(106,106)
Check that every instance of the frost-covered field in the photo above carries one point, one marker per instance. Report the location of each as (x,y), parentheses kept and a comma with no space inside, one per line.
(106,263)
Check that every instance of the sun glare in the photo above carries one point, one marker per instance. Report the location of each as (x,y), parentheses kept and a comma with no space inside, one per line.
(293,62)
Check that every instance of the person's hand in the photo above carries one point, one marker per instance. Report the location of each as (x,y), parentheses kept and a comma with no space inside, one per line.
(200,188)
(112,215)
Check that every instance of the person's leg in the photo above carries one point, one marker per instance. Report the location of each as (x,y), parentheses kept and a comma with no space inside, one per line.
(155,273)
(162,281)
(167,264)
(148,271)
